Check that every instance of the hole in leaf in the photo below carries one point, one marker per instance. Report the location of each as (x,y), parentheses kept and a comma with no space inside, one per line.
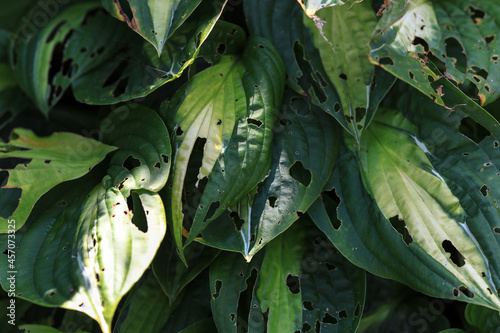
(300,174)
(116,74)
(400,226)
(360,114)
(165,158)
(219,122)
(306,327)
(455,50)
(272,201)
(473,130)
(480,72)
(337,107)
(321,79)
(98,279)
(343,314)
(357,310)
(139,218)
(496,230)
(308,305)
(306,67)
(221,48)
(343,76)
(476,15)
(489,39)
(386,61)
(131,163)
(329,319)
(466,291)
(484,190)
(179,131)
(66,67)
(411,75)
(292,282)
(255,122)
(238,222)
(211,210)
(218,286)
(121,87)
(421,42)
(495,58)
(157,165)
(455,256)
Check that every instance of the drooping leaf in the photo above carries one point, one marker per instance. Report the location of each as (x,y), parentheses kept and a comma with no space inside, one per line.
(137,70)
(461,36)
(304,153)
(341,34)
(233,114)
(282,22)
(78,39)
(284,283)
(454,246)
(483,320)
(55,159)
(154,20)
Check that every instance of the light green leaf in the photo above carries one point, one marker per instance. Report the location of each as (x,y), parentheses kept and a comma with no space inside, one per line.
(55,159)
(154,20)
(232,118)
(458,35)
(76,40)
(137,71)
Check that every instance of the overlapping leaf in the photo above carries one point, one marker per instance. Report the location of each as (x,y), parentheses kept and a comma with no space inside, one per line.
(154,20)
(454,246)
(137,70)
(285,282)
(234,112)
(310,70)
(304,153)
(483,320)
(78,39)
(55,159)
(460,35)
(91,248)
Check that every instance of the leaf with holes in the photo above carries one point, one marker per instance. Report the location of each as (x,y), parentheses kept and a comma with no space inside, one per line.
(144,156)
(457,36)
(308,57)
(55,159)
(79,38)
(283,284)
(446,233)
(154,20)
(136,70)
(341,34)
(232,118)
(304,153)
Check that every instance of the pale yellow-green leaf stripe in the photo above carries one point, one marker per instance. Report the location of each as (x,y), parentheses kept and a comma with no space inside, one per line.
(312,6)
(399,175)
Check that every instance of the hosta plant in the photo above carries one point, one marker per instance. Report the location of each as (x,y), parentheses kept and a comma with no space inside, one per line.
(250,166)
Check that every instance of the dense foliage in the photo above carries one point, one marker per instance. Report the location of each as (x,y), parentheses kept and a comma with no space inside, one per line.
(250,166)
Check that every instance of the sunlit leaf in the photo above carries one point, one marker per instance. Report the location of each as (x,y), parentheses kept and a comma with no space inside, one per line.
(55,159)
(312,6)
(232,119)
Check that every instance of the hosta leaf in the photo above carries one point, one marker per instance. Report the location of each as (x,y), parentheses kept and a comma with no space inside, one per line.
(304,153)
(144,158)
(78,39)
(233,114)
(458,35)
(137,70)
(483,320)
(342,38)
(55,159)
(154,20)
(284,283)
(39,329)
(458,237)
(146,309)
(312,6)
(308,57)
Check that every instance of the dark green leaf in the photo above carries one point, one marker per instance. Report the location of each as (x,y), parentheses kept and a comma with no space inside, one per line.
(484,320)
